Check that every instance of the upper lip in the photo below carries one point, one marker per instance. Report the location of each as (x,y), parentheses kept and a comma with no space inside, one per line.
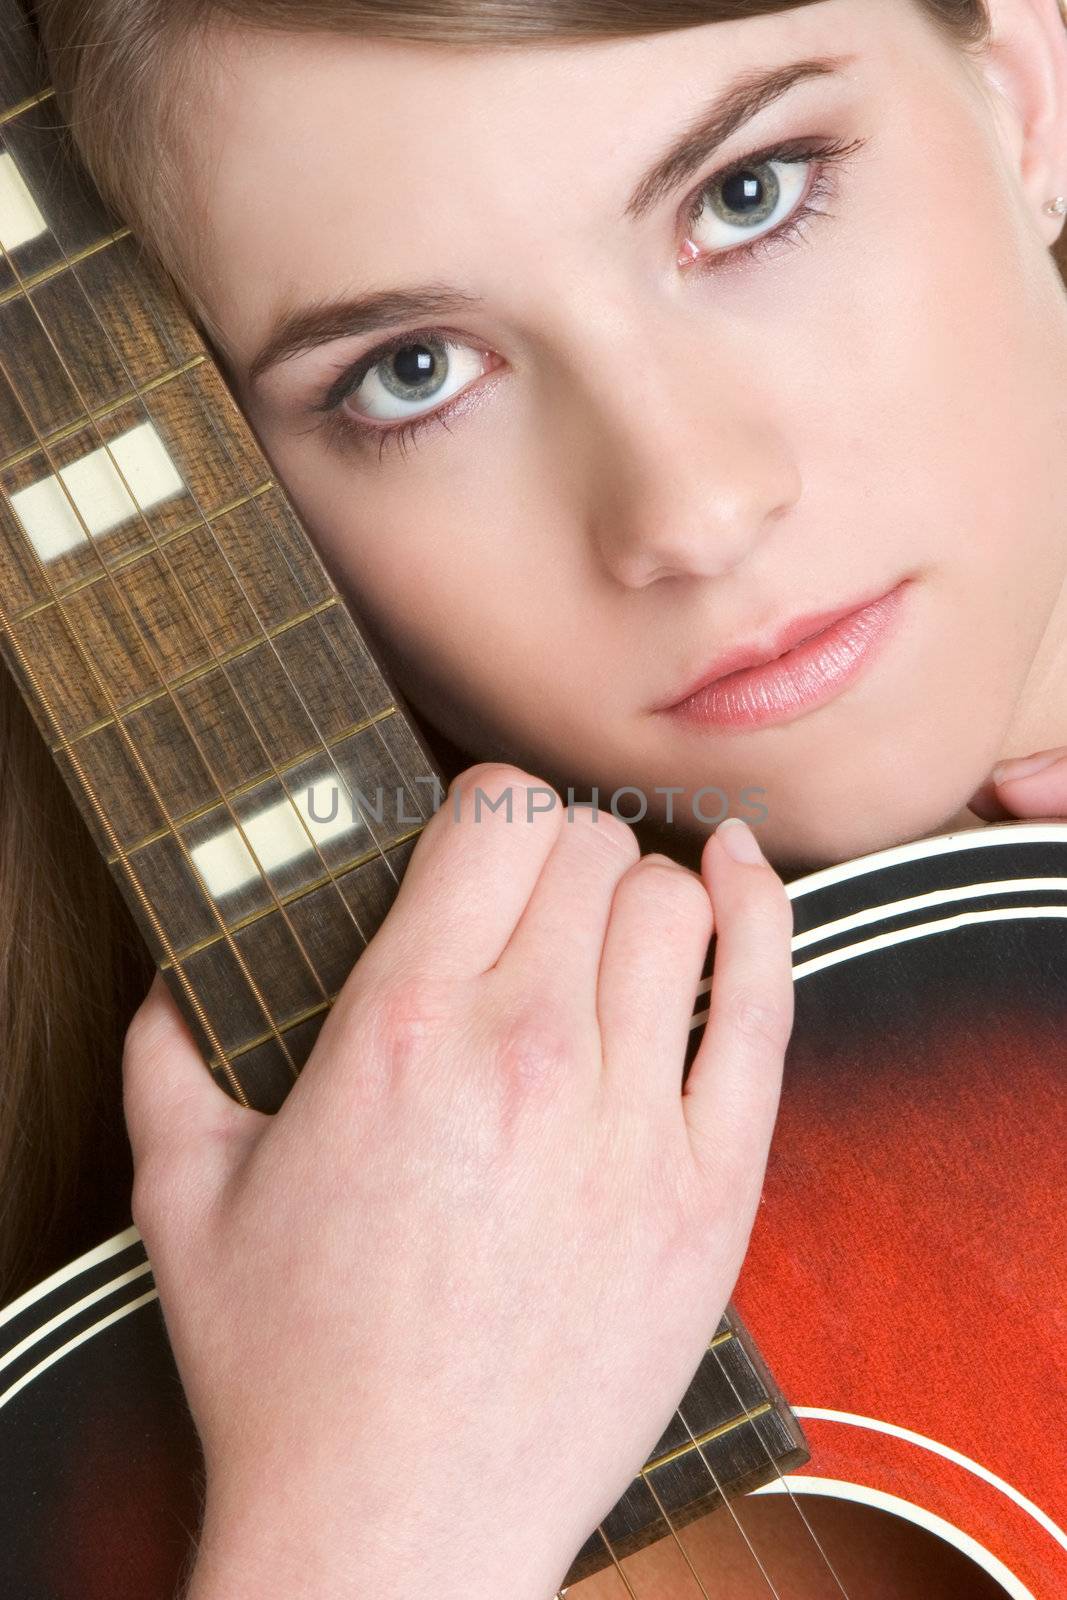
(758,652)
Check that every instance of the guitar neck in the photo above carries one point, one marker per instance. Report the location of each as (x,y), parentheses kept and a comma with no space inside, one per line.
(234,749)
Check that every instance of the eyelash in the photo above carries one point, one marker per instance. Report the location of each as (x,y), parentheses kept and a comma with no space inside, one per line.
(342,432)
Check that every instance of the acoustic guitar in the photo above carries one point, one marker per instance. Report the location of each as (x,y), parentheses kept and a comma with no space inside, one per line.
(256,786)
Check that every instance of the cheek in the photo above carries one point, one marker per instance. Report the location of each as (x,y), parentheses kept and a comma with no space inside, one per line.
(454,591)
(938,412)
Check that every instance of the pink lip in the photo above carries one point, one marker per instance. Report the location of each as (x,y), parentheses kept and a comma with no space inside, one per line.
(809,663)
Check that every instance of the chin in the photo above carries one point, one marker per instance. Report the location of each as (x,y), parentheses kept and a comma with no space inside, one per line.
(796,848)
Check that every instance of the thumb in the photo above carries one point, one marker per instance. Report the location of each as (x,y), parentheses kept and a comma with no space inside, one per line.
(173,1107)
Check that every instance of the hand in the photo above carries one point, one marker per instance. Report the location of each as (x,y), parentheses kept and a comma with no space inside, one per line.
(432,1316)
(1040,795)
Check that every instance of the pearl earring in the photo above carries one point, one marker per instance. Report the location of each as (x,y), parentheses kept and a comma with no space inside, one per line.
(1057,207)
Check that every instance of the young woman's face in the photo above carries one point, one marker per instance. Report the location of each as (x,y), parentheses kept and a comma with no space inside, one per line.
(652,431)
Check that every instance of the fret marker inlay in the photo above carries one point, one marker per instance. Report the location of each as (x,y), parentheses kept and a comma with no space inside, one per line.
(20,219)
(277,835)
(100,497)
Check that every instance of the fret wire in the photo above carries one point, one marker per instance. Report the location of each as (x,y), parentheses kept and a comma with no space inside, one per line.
(148,908)
(316,978)
(293,895)
(46,274)
(100,413)
(128,560)
(241,789)
(260,999)
(719,1432)
(194,675)
(254,613)
(20,106)
(224,443)
(292,1022)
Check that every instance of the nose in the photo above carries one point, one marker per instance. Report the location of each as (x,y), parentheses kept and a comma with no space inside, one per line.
(690,477)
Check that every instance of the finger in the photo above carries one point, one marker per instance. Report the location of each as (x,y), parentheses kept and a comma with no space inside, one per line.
(1035,787)
(172,1105)
(731,1094)
(986,804)
(470,875)
(556,948)
(654,954)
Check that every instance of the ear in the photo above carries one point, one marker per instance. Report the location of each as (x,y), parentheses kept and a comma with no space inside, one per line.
(1024,64)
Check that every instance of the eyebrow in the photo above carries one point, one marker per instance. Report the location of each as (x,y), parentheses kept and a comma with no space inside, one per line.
(304,329)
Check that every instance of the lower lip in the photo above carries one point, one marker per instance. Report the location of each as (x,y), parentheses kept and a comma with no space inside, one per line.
(811,674)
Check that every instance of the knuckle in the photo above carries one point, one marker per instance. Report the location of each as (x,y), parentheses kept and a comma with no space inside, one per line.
(674,886)
(759,1019)
(411,1017)
(492,777)
(500,789)
(535,1053)
(603,833)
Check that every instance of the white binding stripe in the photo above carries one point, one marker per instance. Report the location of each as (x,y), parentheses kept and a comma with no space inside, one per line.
(72,1344)
(92,1258)
(918,902)
(918,930)
(820,1414)
(838,1489)
(71,1312)
(1011,833)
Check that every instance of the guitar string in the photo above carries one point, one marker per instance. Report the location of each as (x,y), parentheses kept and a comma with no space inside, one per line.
(223,442)
(191,611)
(5,626)
(257,509)
(644,1477)
(783,1481)
(382,853)
(140,397)
(106,696)
(727,1502)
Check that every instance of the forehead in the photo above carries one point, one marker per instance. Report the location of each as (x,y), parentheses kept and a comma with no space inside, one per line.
(325,163)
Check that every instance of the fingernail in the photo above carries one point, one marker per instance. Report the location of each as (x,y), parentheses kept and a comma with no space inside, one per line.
(1026,766)
(739,841)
